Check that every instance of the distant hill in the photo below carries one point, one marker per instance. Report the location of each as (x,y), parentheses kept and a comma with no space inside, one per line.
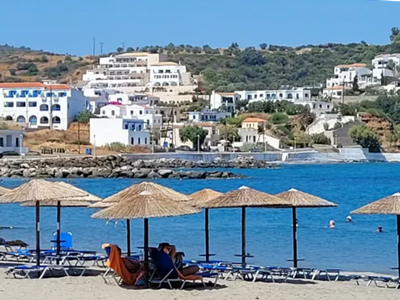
(223,70)
(25,64)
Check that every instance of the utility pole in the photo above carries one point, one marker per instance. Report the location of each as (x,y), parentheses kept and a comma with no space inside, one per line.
(123,46)
(51,109)
(101,47)
(94,46)
(79,138)
(343,91)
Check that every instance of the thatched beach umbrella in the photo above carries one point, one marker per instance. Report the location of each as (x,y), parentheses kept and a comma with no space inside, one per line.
(199,198)
(137,189)
(3,190)
(82,201)
(300,199)
(38,191)
(387,206)
(245,197)
(146,205)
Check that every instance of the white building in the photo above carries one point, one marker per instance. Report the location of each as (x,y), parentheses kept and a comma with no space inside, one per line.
(380,64)
(136,69)
(129,99)
(12,141)
(344,75)
(335,92)
(126,131)
(226,101)
(207,116)
(284,93)
(169,74)
(41,105)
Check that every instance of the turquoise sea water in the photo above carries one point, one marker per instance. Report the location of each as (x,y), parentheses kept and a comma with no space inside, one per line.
(354,246)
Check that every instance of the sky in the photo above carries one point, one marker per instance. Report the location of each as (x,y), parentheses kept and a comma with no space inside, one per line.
(69,26)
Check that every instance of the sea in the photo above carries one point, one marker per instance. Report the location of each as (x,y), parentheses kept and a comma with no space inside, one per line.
(350,246)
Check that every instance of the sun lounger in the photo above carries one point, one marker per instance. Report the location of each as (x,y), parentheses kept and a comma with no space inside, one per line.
(23,271)
(387,281)
(335,273)
(169,274)
(66,241)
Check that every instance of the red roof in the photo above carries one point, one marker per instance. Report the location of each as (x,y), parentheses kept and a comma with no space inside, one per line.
(11,85)
(252,120)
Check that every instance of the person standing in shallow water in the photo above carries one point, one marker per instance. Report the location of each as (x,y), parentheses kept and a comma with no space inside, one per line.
(331,224)
(380,229)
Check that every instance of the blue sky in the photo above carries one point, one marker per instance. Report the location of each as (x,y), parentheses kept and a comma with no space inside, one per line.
(69,26)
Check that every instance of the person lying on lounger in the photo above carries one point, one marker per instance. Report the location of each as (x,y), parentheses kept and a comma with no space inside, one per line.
(133,266)
(177,258)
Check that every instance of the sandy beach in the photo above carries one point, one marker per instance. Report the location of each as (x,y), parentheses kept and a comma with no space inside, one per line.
(93,287)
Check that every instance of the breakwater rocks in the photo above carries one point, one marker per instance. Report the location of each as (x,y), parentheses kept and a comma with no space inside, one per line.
(111,167)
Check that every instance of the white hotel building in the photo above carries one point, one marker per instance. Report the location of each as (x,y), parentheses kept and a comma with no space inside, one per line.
(41,105)
(136,69)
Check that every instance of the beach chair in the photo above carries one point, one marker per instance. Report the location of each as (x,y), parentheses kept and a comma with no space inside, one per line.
(334,273)
(66,241)
(169,274)
(22,271)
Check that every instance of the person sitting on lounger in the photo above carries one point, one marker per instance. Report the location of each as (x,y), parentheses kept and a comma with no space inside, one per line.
(380,229)
(177,258)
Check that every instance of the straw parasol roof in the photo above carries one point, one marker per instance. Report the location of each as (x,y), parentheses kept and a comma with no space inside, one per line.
(136,189)
(387,206)
(204,195)
(41,190)
(3,190)
(246,197)
(300,199)
(81,201)
(145,205)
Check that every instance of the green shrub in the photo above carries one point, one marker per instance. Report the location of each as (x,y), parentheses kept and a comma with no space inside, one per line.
(278,118)
(320,138)
(116,147)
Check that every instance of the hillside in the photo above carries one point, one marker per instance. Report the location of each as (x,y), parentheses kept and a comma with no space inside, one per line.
(24,64)
(224,70)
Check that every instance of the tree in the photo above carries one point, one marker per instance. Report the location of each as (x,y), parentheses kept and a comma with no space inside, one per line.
(155,135)
(229,132)
(395,33)
(320,138)
(279,118)
(355,84)
(130,49)
(253,57)
(365,137)
(120,49)
(44,59)
(195,134)
(263,46)
(85,116)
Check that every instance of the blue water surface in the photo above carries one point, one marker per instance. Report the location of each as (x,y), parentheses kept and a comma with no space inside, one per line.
(350,246)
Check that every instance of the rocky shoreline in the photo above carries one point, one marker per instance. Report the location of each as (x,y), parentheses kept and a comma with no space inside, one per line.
(121,167)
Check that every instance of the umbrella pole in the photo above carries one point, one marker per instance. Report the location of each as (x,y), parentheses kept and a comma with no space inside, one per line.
(243,237)
(37,233)
(398,243)
(207,235)
(146,248)
(294,225)
(58,231)
(128,237)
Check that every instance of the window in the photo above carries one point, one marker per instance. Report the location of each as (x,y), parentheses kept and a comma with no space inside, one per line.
(140,112)
(327,106)
(145,140)
(138,141)
(21,104)
(32,104)
(261,95)
(8,104)
(280,95)
(56,107)
(306,95)
(139,127)
(44,107)
(44,120)
(21,119)
(112,113)
(289,96)
(126,126)
(133,127)
(1,142)
(148,122)
(32,120)
(56,120)
(62,94)
(132,141)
